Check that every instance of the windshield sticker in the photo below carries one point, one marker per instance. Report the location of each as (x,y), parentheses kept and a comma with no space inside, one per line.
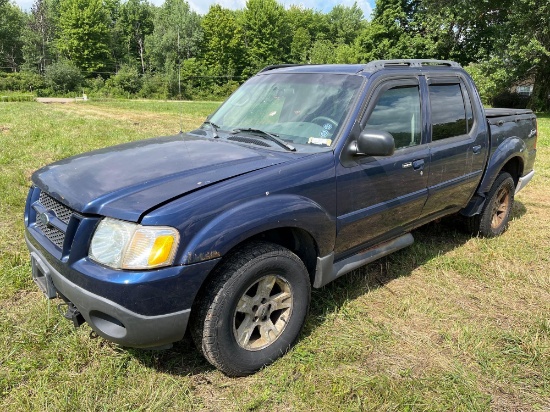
(319,141)
(327,126)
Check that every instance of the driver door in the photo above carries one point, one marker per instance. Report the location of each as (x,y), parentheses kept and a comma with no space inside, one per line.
(379,195)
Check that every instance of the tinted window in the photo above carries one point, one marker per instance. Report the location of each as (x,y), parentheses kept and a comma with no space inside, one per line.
(397,111)
(448,114)
(469,113)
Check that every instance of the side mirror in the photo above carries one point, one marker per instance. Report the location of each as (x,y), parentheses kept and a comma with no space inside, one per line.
(375,143)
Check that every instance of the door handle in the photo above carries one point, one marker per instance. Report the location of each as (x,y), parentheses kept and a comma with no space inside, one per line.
(418,164)
(476,149)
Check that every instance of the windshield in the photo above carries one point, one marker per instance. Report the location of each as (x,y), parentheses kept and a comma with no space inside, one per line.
(299,108)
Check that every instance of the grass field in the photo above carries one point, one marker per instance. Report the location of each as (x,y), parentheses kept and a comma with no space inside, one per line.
(453,323)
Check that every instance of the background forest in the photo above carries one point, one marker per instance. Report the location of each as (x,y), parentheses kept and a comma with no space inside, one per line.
(114,48)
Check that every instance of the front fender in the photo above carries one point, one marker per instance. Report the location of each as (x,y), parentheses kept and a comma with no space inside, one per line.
(235,225)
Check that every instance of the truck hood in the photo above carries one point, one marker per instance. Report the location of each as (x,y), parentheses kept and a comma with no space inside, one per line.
(128,180)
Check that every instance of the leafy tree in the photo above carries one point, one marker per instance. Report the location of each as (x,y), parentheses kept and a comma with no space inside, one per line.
(63,76)
(315,22)
(135,22)
(396,31)
(510,38)
(344,54)
(126,81)
(176,36)
(489,78)
(266,33)
(301,43)
(322,52)
(528,48)
(345,23)
(223,46)
(85,33)
(12,23)
(116,41)
(39,36)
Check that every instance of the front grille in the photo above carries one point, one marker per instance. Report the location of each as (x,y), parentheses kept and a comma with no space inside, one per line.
(63,213)
(55,235)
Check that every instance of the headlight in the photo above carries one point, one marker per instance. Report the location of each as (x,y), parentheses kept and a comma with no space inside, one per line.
(125,245)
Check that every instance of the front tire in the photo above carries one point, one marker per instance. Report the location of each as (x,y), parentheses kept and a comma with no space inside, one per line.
(253,309)
(495,215)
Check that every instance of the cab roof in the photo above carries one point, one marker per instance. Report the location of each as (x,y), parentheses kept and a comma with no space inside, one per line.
(364,69)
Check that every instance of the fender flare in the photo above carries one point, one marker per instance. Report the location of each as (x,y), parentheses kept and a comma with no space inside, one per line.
(235,225)
(510,148)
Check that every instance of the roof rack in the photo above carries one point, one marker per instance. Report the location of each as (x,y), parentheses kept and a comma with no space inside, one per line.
(383,64)
(278,66)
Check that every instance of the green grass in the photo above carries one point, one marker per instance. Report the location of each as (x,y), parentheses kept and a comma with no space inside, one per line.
(451,323)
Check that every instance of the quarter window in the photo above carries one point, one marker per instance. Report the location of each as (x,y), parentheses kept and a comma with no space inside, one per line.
(397,111)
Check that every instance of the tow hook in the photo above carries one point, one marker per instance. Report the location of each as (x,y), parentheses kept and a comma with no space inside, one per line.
(72,313)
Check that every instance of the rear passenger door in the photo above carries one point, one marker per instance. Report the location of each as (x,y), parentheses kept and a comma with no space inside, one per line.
(453,148)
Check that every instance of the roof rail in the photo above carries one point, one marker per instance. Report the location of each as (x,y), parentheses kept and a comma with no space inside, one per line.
(278,66)
(383,64)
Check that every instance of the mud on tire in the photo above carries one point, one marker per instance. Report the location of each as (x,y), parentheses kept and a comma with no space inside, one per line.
(253,309)
(495,215)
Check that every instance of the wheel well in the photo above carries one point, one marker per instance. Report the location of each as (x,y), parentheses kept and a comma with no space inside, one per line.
(514,166)
(297,241)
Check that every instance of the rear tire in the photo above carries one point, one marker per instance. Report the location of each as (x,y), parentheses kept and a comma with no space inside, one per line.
(253,309)
(495,215)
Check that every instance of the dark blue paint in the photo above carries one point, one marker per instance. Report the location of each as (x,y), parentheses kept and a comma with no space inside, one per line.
(219,194)
(149,293)
(298,194)
(127,180)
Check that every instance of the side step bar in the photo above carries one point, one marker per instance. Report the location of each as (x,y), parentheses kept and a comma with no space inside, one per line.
(327,270)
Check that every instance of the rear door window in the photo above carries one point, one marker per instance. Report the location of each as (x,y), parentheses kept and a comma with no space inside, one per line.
(448,111)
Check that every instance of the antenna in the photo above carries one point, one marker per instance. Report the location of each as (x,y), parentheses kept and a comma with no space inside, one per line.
(179,83)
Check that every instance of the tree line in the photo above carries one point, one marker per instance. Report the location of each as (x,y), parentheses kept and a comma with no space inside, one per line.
(134,48)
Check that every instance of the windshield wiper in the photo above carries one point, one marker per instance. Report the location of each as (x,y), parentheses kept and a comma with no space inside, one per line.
(271,136)
(213,128)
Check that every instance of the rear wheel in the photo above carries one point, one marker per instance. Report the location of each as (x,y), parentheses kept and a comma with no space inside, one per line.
(253,310)
(495,215)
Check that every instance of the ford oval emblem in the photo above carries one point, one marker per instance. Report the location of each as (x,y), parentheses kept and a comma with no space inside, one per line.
(43,218)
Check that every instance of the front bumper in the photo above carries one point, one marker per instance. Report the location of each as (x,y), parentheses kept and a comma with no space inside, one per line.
(109,319)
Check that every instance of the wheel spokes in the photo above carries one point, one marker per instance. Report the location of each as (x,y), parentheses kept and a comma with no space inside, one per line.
(500,208)
(265,286)
(245,330)
(245,305)
(262,312)
(268,331)
(281,300)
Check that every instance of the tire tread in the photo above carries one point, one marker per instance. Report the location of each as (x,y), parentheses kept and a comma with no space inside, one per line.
(203,318)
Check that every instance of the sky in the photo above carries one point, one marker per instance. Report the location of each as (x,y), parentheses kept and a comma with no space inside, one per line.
(201,6)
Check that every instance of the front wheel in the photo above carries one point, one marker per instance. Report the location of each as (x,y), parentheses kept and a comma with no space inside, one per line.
(253,309)
(496,212)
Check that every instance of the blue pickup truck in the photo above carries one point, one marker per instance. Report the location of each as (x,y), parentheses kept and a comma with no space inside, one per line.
(305,173)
